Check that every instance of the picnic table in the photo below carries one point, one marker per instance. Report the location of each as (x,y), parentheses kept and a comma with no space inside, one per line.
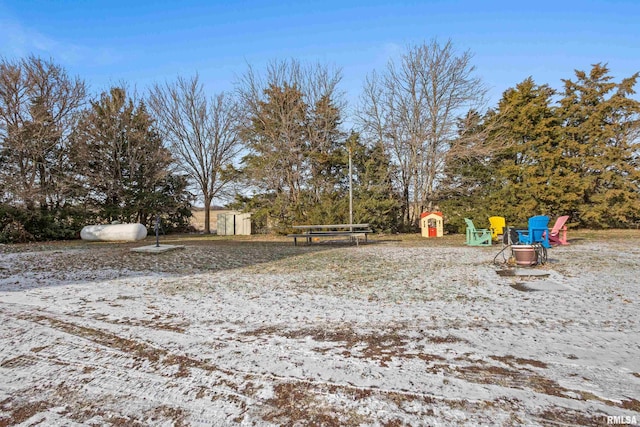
(311,232)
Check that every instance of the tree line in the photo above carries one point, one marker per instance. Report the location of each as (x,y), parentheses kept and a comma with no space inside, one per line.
(277,146)
(569,152)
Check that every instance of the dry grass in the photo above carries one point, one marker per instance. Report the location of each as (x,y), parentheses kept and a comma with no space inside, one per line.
(409,240)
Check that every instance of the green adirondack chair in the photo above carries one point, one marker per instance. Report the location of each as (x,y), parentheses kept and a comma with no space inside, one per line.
(477,236)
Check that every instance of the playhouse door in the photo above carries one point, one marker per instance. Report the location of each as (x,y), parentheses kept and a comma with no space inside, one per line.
(432,228)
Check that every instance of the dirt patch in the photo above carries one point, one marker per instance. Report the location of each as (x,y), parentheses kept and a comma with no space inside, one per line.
(512,361)
(295,403)
(568,417)
(380,346)
(20,411)
(523,378)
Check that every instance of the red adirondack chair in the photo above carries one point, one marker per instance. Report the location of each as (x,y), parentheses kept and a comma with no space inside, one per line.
(558,234)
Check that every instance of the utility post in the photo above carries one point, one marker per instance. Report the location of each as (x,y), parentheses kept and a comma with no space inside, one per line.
(350,192)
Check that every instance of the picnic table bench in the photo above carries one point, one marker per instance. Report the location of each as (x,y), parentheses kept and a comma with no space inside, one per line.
(310,232)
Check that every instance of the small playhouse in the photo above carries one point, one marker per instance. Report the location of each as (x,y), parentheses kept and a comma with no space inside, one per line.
(431,224)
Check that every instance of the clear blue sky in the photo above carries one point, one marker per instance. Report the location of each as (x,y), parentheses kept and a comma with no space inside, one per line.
(141,42)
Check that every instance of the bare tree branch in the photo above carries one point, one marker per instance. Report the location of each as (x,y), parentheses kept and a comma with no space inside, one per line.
(413,110)
(201,133)
(39,105)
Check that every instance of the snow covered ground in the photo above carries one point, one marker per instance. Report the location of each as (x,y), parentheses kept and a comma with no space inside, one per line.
(255,332)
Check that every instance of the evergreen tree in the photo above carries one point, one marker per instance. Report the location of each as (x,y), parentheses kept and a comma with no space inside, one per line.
(468,188)
(326,187)
(505,162)
(530,157)
(326,149)
(376,202)
(600,148)
(278,160)
(526,128)
(120,160)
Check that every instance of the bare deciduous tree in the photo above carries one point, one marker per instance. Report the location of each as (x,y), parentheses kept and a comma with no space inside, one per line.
(39,103)
(413,109)
(201,132)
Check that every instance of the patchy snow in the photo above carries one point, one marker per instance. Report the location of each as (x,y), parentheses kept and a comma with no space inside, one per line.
(256,333)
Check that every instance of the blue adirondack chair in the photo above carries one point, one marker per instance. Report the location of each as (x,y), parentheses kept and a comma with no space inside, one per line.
(536,232)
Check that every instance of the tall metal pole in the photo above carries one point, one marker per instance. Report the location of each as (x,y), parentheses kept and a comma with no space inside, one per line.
(350,193)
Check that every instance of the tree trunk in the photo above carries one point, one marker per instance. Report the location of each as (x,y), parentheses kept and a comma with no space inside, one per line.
(406,205)
(207,214)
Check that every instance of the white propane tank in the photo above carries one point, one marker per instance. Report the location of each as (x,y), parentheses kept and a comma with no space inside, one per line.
(114,232)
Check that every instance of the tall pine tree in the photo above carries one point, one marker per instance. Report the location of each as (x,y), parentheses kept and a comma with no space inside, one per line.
(600,146)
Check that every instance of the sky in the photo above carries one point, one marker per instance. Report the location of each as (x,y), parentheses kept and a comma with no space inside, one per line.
(143,42)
